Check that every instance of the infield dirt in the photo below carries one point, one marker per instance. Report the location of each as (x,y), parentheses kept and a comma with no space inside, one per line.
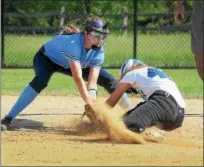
(50,133)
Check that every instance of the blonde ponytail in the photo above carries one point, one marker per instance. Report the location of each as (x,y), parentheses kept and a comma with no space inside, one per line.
(73,28)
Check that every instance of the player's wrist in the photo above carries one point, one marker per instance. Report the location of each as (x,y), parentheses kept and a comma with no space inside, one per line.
(92,94)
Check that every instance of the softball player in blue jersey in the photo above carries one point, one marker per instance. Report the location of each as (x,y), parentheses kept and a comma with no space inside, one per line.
(74,53)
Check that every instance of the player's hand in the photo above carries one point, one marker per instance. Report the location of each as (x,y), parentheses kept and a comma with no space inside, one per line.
(179,13)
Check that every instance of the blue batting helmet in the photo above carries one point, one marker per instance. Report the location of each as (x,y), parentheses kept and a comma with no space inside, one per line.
(127,65)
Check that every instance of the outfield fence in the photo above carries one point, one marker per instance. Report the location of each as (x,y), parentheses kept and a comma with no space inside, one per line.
(138,29)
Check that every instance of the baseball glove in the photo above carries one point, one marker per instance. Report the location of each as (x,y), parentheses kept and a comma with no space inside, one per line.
(90,113)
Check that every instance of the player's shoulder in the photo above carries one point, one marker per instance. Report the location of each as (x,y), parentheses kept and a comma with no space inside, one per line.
(60,38)
(72,42)
(73,38)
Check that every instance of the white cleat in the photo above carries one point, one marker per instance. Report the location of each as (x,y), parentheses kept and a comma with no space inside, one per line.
(155,135)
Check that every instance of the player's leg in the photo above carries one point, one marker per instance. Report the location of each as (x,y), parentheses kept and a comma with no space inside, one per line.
(141,117)
(144,115)
(43,71)
(158,109)
(199,65)
(197,36)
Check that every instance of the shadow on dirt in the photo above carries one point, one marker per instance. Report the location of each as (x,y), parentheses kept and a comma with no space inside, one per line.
(75,127)
(19,124)
(82,131)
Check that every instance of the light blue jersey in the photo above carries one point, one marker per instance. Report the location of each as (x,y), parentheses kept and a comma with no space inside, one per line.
(62,49)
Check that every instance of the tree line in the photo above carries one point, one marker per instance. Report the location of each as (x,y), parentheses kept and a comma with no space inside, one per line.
(151,13)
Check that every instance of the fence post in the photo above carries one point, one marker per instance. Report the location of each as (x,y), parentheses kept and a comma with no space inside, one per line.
(125,20)
(2,34)
(62,17)
(135,5)
(88,4)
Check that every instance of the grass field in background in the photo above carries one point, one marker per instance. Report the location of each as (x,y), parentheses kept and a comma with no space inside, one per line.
(14,80)
(154,49)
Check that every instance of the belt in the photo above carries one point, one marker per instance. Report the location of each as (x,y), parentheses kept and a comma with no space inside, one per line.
(166,94)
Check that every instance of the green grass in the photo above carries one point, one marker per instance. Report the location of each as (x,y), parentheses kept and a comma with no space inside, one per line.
(14,80)
(170,50)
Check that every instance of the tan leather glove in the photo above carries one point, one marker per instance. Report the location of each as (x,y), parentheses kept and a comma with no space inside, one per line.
(90,113)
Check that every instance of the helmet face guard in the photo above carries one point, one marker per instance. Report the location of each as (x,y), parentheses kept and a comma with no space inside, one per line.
(127,65)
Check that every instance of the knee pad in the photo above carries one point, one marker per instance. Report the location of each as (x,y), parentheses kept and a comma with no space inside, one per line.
(170,126)
(37,84)
(135,126)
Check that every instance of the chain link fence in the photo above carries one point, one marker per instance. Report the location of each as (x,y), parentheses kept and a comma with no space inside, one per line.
(138,29)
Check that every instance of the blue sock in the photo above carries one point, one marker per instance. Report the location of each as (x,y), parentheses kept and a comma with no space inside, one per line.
(125,102)
(26,97)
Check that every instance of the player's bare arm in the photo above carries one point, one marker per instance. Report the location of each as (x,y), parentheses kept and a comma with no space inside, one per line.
(117,94)
(93,77)
(179,11)
(77,75)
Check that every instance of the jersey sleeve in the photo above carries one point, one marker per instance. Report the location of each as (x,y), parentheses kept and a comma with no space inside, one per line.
(98,60)
(129,77)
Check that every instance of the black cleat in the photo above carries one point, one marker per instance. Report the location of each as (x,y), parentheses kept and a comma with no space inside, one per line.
(5,123)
